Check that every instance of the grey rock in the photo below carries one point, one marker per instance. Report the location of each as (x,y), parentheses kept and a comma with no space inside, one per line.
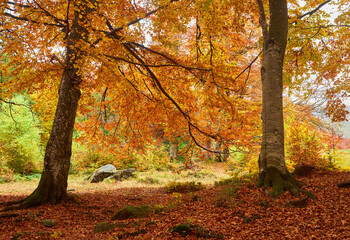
(109,171)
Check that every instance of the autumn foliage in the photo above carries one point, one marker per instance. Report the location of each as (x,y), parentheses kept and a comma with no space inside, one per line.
(158,71)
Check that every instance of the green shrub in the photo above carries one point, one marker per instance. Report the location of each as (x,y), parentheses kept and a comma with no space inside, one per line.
(184,186)
(203,173)
(148,180)
(228,181)
(21,178)
(20,147)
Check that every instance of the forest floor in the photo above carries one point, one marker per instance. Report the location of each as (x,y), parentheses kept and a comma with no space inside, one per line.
(232,211)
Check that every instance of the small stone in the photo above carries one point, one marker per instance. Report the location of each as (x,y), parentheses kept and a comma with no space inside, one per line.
(48,222)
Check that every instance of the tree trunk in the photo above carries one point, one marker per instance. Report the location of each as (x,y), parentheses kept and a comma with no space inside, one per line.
(272,168)
(218,157)
(174,150)
(53,183)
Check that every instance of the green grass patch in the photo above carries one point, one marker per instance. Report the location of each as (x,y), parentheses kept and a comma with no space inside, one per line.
(184,186)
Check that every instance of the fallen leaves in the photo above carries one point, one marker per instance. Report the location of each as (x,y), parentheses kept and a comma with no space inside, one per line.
(244,217)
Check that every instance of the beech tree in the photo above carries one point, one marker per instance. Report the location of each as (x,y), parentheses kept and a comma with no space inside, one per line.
(53,183)
(101,51)
(272,167)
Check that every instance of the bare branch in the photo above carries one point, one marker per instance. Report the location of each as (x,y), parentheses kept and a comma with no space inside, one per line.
(14,104)
(54,57)
(10,104)
(113,30)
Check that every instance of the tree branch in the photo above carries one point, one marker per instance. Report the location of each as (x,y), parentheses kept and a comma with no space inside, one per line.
(113,31)
(129,48)
(262,20)
(153,65)
(33,21)
(139,19)
(49,14)
(314,10)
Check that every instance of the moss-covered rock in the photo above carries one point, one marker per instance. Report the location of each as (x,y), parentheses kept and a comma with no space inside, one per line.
(182,229)
(131,212)
(104,227)
(48,222)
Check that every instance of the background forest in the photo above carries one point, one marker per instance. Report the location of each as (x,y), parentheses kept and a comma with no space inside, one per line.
(24,132)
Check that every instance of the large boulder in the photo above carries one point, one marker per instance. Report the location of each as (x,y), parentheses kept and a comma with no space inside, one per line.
(109,171)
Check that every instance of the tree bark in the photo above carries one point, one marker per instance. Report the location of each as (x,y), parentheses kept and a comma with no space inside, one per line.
(174,149)
(272,168)
(52,187)
(53,183)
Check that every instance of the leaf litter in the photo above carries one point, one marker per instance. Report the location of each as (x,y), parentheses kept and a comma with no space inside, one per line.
(245,213)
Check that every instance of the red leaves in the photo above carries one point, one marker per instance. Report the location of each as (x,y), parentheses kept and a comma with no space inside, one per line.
(243,218)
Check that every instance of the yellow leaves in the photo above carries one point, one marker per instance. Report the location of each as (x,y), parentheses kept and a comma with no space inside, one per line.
(206,4)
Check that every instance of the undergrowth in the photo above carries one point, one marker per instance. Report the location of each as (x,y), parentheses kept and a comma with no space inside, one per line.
(184,186)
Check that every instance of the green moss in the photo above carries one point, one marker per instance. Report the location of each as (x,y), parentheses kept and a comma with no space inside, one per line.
(131,212)
(104,227)
(279,182)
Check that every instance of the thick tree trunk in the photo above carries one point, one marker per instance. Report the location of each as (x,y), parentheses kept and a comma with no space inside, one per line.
(272,168)
(53,183)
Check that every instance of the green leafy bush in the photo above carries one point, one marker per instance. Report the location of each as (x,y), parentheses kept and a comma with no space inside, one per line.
(20,148)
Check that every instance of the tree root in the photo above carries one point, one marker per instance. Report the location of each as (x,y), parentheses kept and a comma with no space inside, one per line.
(280,183)
(31,201)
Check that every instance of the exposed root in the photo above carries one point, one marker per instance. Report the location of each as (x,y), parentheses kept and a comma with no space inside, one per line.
(280,183)
(31,201)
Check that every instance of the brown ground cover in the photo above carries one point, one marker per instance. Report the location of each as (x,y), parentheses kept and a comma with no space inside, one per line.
(224,211)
